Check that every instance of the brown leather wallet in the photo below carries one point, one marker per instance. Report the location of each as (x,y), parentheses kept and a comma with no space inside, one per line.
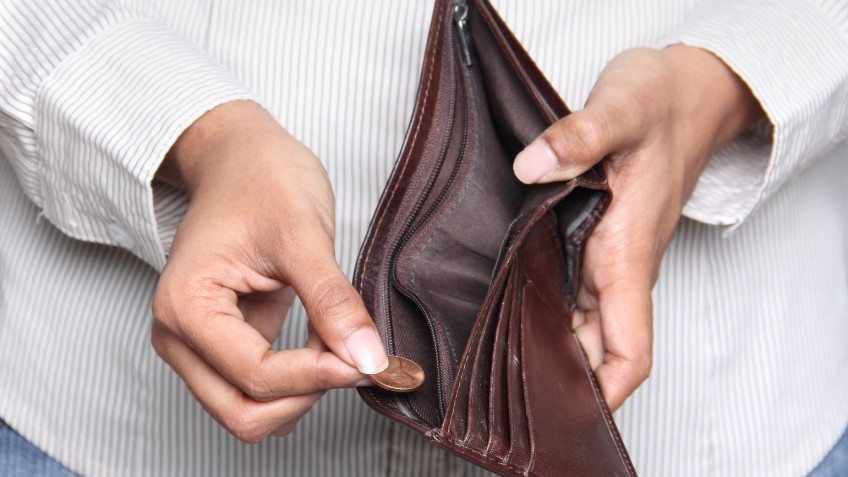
(473,275)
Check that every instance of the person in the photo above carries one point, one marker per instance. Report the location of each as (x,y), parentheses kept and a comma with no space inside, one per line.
(146,137)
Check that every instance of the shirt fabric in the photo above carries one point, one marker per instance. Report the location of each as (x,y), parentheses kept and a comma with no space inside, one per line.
(751,308)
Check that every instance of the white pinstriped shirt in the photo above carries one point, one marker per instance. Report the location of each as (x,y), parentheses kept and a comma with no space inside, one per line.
(751,308)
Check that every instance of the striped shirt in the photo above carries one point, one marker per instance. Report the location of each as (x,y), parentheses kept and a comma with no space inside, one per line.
(751,307)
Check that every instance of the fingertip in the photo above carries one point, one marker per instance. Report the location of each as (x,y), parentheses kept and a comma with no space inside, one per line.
(367,351)
(535,161)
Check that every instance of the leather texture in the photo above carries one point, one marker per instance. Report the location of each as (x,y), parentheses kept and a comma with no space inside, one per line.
(473,274)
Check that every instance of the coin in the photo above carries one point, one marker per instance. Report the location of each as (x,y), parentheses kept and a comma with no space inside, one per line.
(402,375)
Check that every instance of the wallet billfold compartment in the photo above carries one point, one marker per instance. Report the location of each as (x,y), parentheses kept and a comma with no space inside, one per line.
(473,275)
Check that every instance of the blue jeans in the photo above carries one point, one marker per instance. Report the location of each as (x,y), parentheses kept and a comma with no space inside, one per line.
(19,458)
(835,463)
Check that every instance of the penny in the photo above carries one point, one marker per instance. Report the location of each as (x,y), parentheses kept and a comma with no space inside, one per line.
(402,375)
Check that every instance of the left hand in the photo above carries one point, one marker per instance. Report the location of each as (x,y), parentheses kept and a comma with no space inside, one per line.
(260,226)
(656,116)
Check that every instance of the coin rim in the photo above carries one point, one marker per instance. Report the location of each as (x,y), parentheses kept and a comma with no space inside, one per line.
(374,377)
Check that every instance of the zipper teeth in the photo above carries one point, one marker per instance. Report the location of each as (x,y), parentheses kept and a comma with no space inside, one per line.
(424,309)
(408,222)
(410,228)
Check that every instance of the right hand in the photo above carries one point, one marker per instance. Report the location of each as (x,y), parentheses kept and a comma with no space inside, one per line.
(259,229)
(656,117)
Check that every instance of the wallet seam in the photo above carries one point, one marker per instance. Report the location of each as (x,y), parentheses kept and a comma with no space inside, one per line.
(412,142)
(611,429)
(488,457)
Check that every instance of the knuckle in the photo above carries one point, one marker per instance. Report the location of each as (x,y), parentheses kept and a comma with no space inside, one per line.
(158,340)
(286,429)
(589,133)
(580,136)
(175,297)
(257,387)
(642,367)
(161,306)
(322,378)
(246,425)
(335,299)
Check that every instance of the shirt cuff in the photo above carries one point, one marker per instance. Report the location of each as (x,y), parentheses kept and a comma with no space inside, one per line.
(106,118)
(792,55)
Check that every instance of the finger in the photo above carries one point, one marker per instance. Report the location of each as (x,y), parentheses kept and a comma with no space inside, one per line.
(212,325)
(587,327)
(575,143)
(337,312)
(313,341)
(286,429)
(627,335)
(267,311)
(247,419)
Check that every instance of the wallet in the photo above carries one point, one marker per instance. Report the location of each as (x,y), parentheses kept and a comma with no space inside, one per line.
(473,275)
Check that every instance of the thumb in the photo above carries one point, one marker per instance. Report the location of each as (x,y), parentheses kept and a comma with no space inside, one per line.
(571,146)
(338,315)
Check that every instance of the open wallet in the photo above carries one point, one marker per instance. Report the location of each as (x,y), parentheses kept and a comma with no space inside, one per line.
(473,275)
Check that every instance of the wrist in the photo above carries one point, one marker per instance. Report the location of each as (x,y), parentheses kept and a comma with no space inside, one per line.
(722,102)
(217,144)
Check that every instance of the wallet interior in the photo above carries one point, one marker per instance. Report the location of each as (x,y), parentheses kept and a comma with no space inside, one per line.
(444,263)
(473,275)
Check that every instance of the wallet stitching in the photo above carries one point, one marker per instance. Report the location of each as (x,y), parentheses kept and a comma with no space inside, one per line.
(606,412)
(419,123)
(488,457)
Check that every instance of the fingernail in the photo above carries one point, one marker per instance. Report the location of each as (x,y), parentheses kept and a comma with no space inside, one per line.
(364,383)
(535,161)
(367,352)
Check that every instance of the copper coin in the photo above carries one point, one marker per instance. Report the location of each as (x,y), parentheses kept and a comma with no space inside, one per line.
(401,376)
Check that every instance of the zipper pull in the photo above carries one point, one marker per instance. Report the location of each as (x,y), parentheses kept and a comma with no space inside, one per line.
(460,19)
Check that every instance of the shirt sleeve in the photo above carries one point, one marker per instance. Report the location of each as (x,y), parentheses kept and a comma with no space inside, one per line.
(793,54)
(92,96)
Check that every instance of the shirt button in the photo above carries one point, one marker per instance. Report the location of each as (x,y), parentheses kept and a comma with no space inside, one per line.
(120,236)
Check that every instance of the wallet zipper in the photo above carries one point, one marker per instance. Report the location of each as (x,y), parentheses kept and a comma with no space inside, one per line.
(460,22)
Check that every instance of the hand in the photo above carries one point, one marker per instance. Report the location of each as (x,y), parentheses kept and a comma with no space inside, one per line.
(259,228)
(656,116)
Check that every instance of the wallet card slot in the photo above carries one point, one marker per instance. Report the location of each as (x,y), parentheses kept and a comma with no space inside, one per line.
(480,374)
(575,223)
(499,427)
(460,400)
(519,432)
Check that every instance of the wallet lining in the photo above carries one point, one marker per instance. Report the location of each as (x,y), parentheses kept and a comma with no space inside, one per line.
(444,262)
